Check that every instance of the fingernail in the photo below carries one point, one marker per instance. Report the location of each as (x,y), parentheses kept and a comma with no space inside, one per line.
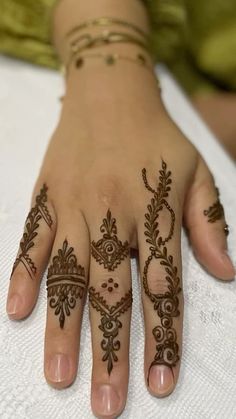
(228,262)
(161,379)
(105,400)
(14,304)
(59,368)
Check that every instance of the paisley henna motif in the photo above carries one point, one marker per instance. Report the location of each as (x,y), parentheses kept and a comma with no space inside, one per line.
(110,323)
(38,212)
(65,283)
(109,251)
(165,304)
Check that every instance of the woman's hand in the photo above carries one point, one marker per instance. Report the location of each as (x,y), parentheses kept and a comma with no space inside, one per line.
(118,175)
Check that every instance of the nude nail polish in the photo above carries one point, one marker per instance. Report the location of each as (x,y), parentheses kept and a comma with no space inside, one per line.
(13,304)
(59,368)
(105,400)
(161,379)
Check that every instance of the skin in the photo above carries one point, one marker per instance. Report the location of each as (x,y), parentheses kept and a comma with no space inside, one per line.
(94,160)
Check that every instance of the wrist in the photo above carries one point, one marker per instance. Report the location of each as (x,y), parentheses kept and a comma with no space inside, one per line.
(71,13)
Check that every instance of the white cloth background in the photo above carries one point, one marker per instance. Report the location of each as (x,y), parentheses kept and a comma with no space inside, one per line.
(29,109)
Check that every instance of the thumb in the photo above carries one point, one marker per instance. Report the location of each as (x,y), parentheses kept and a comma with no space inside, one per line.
(205,221)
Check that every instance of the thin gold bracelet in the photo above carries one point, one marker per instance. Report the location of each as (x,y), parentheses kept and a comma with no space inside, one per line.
(106,37)
(86,41)
(105,21)
(112,58)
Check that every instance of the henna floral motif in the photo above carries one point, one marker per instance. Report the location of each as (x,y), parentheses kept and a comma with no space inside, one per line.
(165,304)
(110,323)
(65,283)
(38,212)
(109,251)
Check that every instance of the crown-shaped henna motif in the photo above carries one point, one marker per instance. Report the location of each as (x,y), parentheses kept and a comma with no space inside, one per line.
(65,282)
(109,251)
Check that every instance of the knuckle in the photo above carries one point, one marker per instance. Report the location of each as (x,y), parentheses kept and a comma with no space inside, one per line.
(108,190)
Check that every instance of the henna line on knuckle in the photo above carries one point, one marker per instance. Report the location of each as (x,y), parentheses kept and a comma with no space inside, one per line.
(38,211)
(165,304)
(65,282)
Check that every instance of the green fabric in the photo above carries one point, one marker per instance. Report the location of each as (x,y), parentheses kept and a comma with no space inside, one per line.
(195,39)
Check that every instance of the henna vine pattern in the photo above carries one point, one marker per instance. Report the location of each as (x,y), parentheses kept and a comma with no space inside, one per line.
(65,282)
(110,323)
(165,304)
(38,212)
(109,251)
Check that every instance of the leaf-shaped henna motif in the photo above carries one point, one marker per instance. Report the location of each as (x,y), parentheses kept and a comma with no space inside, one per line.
(65,282)
(38,212)
(165,304)
(110,323)
(109,251)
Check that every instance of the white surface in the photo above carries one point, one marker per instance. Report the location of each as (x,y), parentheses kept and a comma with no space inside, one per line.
(207,385)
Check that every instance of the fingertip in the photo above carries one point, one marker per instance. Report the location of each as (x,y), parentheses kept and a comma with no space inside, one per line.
(161,382)
(22,296)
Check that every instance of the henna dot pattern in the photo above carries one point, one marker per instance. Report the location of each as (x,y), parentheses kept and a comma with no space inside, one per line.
(109,251)
(38,212)
(166,304)
(65,282)
(110,285)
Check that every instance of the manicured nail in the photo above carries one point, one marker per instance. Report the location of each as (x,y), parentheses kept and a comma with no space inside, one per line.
(14,304)
(161,379)
(105,400)
(59,368)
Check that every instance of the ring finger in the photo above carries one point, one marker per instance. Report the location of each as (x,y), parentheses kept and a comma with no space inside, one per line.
(66,289)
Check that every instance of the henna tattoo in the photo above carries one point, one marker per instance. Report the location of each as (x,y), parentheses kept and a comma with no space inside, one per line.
(65,282)
(110,323)
(110,284)
(165,304)
(109,251)
(38,212)
(216,212)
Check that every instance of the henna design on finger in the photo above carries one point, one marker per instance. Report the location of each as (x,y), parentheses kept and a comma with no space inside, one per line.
(165,304)
(216,212)
(109,251)
(110,323)
(38,211)
(65,282)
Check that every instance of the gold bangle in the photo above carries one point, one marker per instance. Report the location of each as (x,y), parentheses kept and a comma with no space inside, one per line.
(105,21)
